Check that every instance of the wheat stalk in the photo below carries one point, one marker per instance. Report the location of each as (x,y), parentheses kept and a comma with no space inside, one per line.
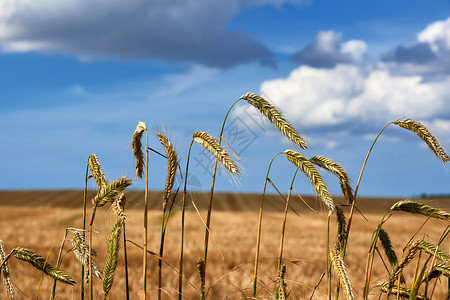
(172,166)
(336,169)
(316,180)
(81,251)
(136,145)
(41,264)
(110,192)
(275,117)
(97,172)
(5,272)
(341,271)
(214,148)
(429,139)
(112,258)
(420,209)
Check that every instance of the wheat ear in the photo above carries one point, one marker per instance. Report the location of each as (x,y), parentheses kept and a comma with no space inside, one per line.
(112,258)
(81,251)
(172,166)
(201,271)
(117,207)
(425,136)
(420,209)
(275,117)
(385,240)
(408,255)
(316,180)
(281,284)
(41,264)
(341,228)
(97,172)
(403,292)
(341,271)
(338,171)
(433,250)
(214,147)
(111,191)
(5,272)
(136,145)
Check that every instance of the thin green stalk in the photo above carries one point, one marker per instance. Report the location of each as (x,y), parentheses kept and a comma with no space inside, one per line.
(208,217)
(91,287)
(84,224)
(58,262)
(258,235)
(127,287)
(183,209)
(144,246)
(161,252)
(328,256)
(283,229)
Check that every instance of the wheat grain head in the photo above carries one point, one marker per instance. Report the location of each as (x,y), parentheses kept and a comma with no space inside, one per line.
(275,117)
(172,166)
(112,258)
(316,180)
(385,240)
(117,207)
(41,264)
(97,172)
(5,272)
(338,171)
(341,271)
(420,209)
(218,151)
(136,145)
(429,139)
(111,191)
(80,250)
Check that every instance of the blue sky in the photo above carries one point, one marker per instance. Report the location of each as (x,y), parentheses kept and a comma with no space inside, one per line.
(77,76)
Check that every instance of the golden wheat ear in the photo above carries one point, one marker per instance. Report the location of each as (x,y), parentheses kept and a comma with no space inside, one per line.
(136,145)
(317,182)
(97,172)
(424,134)
(172,166)
(338,171)
(341,271)
(41,264)
(112,258)
(420,209)
(215,149)
(275,117)
(5,272)
(81,251)
(111,191)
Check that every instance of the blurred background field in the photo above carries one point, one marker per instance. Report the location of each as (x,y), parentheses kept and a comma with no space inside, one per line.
(37,219)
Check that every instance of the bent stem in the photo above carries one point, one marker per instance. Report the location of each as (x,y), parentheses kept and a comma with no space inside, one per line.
(58,262)
(84,224)
(258,235)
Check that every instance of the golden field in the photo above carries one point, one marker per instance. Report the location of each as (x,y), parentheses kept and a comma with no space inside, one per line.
(37,220)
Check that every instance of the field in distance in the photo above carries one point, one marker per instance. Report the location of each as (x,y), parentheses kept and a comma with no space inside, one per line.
(37,220)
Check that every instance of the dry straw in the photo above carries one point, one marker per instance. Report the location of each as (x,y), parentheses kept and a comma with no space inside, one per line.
(426,136)
(136,145)
(316,180)
(41,264)
(112,258)
(341,271)
(97,172)
(5,272)
(275,117)
(214,147)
